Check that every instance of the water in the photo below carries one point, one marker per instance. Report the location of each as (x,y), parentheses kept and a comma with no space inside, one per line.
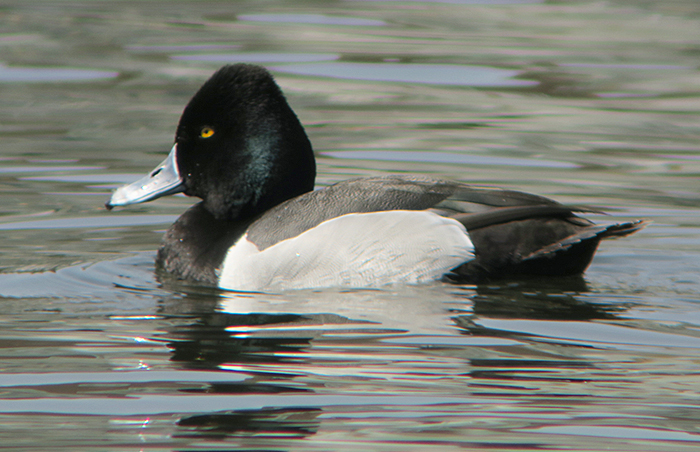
(592,103)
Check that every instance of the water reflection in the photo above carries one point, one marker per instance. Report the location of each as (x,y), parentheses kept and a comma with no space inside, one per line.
(54,74)
(560,300)
(256,367)
(89,222)
(557,299)
(260,57)
(207,343)
(316,19)
(446,157)
(267,422)
(284,342)
(552,299)
(435,74)
(167,48)
(466,2)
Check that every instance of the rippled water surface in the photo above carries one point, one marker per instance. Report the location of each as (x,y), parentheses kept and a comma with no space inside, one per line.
(592,103)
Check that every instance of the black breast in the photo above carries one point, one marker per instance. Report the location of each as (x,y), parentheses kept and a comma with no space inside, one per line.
(196,244)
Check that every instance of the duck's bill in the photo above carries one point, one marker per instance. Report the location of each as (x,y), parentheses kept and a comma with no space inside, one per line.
(164,180)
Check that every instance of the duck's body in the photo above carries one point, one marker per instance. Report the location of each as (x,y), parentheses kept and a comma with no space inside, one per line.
(261,226)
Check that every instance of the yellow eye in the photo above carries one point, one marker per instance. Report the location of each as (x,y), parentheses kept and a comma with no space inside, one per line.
(206,132)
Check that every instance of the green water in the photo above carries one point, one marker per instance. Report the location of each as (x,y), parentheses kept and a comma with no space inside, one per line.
(591,103)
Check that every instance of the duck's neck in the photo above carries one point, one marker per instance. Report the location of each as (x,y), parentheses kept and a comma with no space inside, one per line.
(196,244)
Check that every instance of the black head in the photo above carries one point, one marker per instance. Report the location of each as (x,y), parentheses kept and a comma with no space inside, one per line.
(240,147)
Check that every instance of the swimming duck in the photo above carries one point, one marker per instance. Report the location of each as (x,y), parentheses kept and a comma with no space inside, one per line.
(261,226)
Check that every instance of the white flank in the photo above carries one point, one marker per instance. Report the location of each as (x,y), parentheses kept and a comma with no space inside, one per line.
(354,250)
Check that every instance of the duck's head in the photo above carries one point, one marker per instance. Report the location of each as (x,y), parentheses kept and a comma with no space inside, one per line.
(238,146)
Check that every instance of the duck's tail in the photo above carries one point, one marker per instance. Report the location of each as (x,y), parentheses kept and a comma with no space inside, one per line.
(623,229)
(567,256)
(593,234)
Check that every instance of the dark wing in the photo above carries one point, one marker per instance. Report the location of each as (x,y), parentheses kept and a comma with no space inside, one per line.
(475,207)
(513,233)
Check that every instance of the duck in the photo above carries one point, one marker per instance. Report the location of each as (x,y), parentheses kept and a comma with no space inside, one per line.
(262,226)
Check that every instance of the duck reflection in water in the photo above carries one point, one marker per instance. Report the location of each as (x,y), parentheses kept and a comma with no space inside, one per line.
(280,349)
(276,423)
